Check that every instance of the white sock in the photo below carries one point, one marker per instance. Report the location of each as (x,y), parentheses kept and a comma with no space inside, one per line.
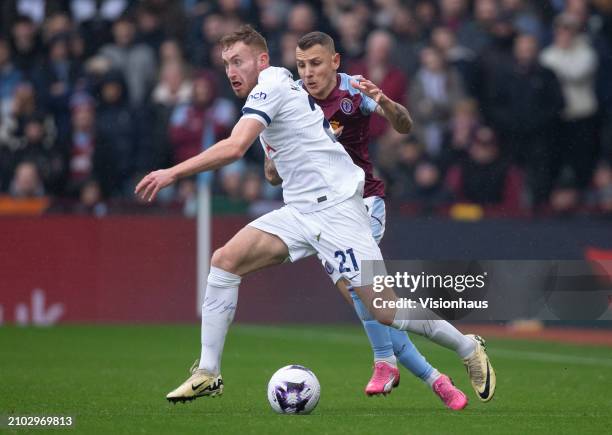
(390,359)
(433,377)
(439,331)
(218,312)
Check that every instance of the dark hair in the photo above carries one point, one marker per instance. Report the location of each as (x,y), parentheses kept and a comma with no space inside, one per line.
(317,38)
(246,34)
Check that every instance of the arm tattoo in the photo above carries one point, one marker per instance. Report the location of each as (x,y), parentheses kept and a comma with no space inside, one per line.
(403,120)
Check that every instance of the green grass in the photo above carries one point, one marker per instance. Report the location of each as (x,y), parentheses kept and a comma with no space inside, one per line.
(113,379)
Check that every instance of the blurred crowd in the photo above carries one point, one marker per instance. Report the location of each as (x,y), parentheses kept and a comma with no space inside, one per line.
(512,99)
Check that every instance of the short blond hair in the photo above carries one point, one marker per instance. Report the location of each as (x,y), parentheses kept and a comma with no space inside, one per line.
(248,35)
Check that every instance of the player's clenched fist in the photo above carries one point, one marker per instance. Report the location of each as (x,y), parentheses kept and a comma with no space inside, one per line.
(150,185)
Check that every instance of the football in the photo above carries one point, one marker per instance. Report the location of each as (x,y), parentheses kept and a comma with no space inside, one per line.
(293,389)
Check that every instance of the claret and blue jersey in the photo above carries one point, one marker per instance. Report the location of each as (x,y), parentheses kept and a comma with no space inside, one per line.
(346,106)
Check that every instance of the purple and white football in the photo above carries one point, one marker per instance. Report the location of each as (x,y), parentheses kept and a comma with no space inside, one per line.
(293,389)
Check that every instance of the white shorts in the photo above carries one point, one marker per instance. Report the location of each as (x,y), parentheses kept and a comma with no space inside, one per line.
(377,212)
(341,236)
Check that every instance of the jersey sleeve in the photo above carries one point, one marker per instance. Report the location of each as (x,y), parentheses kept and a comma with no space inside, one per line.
(263,104)
(367,105)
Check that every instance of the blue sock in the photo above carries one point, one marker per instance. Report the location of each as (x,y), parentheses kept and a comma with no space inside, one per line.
(378,334)
(408,355)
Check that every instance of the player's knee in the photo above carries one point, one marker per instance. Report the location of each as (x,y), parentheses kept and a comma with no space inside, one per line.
(224,260)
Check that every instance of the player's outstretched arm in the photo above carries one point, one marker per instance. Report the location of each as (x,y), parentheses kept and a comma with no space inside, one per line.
(271,173)
(220,154)
(397,115)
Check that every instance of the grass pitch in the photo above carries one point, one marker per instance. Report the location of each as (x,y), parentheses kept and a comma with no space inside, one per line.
(113,379)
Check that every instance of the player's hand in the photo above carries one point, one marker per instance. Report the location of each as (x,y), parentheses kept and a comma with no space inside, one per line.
(150,185)
(368,88)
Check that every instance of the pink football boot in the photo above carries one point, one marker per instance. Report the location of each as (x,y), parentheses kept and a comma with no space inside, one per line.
(452,396)
(385,377)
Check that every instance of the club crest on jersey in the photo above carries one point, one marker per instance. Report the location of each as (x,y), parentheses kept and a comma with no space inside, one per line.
(346,105)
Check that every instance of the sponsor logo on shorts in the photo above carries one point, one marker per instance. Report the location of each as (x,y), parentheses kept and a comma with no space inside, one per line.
(346,105)
(328,267)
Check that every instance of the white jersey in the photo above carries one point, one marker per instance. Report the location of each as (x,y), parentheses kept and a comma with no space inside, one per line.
(316,170)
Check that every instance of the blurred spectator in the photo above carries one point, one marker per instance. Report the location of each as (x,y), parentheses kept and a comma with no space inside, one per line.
(396,160)
(56,80)
(23,107)
(26,44)
(485,177)
(477,33)
(565,197)
(9,79)
(251,186)
(35,10)
(524,17)
(352,31)
(409,40)
(91,200)
(94,18)
(26,182)
(201,122)
(82,145)
(204,39)
(116,136)
(302,19)
(59,23)
(187,195)
(272,17)
(38,145)
(574,61)
(170,51)
(150,31)
(599,195)
(287,60)
(464,122)
(527,134)
(579,10)
(429,189)
(237,9)
(174,87)
(453,13)
(433,93)
(136,61)
(162,17)
(498,52)
(457,56)
(77,47)
(377,67)
(427,15)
